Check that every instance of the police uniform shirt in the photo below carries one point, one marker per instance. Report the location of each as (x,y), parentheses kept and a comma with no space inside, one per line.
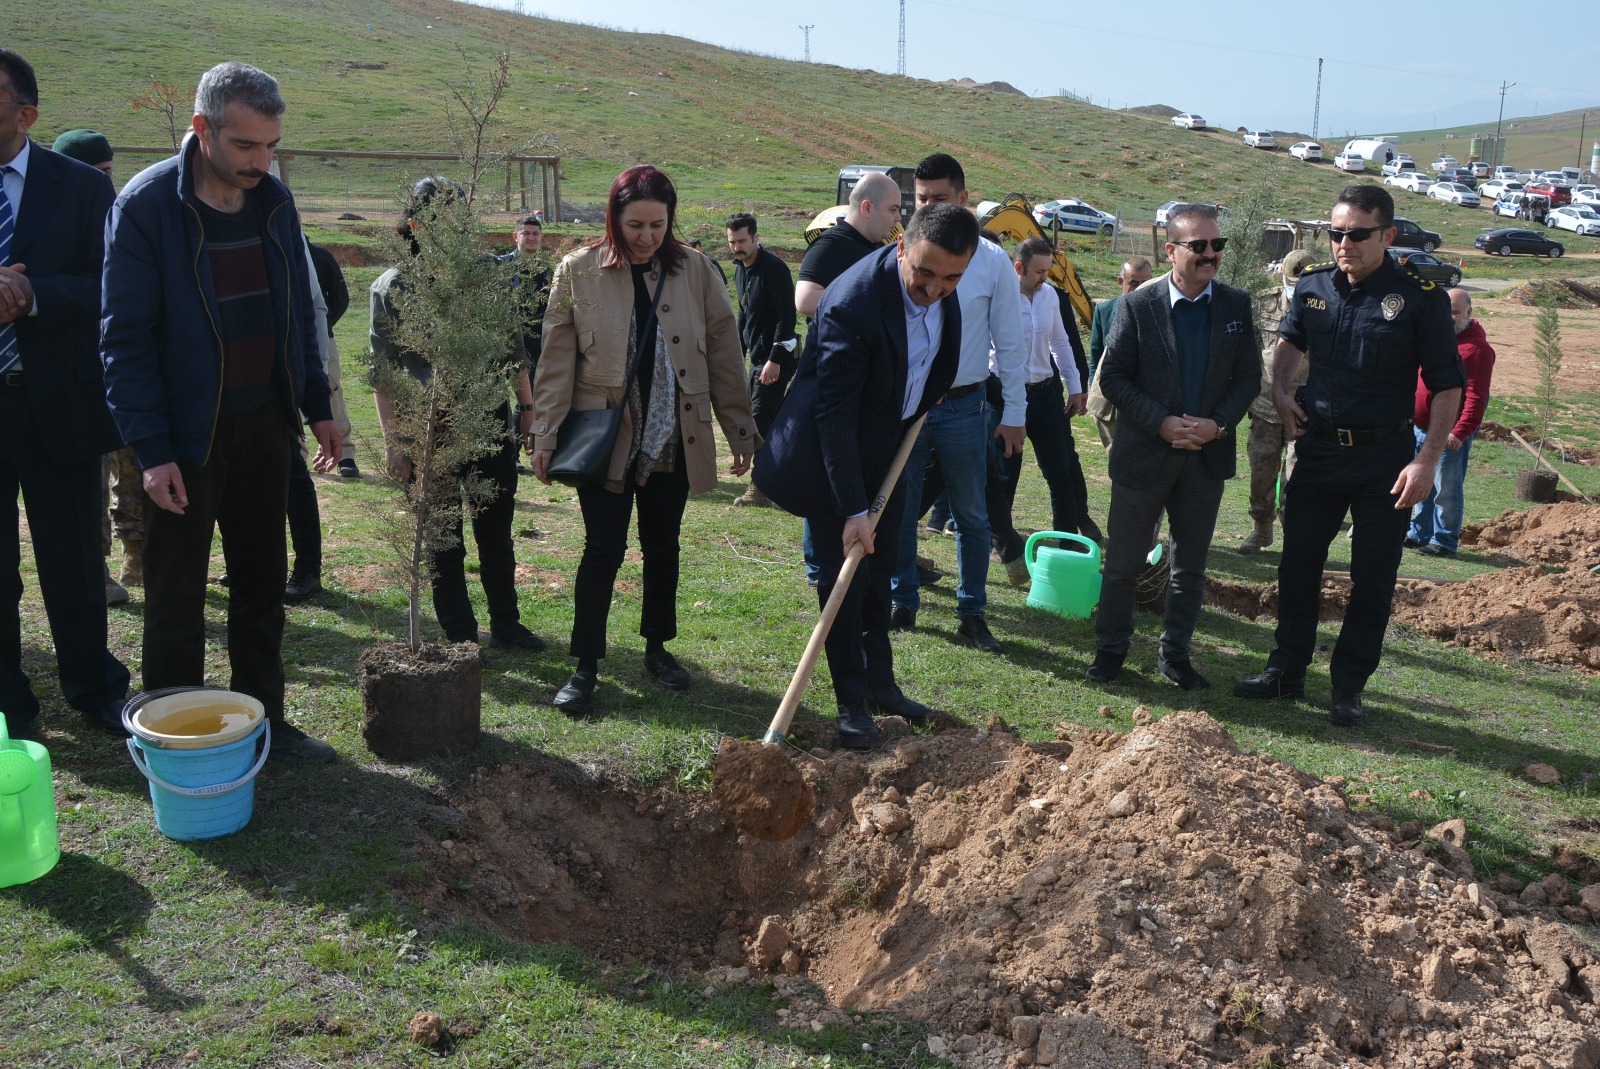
(1366,342)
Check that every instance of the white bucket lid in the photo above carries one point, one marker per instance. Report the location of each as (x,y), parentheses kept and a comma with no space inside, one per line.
(169,712)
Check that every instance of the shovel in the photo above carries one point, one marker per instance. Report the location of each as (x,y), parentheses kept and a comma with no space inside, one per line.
(755,783)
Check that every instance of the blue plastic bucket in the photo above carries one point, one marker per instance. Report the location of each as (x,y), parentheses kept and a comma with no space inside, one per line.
(199,790)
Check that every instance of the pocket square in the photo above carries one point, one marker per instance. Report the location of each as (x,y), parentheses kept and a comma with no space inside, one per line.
(1235,326)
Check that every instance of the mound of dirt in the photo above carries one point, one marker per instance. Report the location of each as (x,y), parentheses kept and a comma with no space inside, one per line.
(1153,899)
(1566,292)
(1567,534)
(1525,612)
(993,87)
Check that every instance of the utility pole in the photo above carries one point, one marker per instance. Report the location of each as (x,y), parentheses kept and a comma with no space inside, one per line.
(1316,114)
(807,31)
(1498,154)
(902,38)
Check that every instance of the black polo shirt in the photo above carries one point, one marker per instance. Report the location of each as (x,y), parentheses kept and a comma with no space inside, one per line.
(836,250)
(1367,341)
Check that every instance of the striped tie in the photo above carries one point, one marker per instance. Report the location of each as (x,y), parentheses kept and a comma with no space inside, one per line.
(9,353)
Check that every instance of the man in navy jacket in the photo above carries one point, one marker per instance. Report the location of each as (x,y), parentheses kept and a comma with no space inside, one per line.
(210,352)
(888,338)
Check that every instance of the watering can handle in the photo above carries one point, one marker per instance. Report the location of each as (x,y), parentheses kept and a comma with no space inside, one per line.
(1029,554)
(841,586)
(214,789)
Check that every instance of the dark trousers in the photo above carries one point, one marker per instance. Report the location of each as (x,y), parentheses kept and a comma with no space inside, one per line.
(660,503)
(1185,488)
(860,656)
(64,506)
(1050,434)
(765,400)
(305,520)
(243,489)
(1329,481)
(497,562)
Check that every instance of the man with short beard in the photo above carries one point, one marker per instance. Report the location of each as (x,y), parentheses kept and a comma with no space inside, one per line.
(765,302)
(1436,521)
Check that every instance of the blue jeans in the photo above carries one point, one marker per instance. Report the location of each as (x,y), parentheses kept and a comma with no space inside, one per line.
(957,432)
(1438,519)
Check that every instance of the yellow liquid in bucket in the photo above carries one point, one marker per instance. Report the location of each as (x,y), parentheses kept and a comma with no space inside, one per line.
(201,720)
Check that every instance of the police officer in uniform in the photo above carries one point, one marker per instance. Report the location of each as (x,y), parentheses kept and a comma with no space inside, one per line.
(1368,327)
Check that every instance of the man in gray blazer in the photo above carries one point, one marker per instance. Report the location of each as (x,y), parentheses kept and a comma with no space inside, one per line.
(1182,365)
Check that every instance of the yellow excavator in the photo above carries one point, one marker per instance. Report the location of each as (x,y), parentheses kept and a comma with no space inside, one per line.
(1011,218)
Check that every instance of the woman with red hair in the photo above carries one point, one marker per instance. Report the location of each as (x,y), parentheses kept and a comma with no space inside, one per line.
(639,298)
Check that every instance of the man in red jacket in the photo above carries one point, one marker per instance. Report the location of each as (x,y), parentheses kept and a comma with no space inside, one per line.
(1436,522)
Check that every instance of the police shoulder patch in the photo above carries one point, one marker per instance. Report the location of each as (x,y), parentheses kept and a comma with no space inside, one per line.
(1410,274)
(1328,265)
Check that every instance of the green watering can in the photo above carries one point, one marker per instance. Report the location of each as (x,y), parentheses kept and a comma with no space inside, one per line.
(1064,581)
(29,847)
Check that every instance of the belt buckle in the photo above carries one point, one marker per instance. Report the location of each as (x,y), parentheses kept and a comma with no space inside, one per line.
(13,377)
(1345,436)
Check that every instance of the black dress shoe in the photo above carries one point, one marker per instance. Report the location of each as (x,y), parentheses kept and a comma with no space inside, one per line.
(974,631)
(668,672)
(23,730)
(1106,667)
(516,637)
(291,744)
(301,587)
(1345,710)
(902,619)
(107,718)
(1410,543)
(577,697)
(856,728)
(1434,549)
(1182,673)
(895,703)
(1090,530)
(1271,683)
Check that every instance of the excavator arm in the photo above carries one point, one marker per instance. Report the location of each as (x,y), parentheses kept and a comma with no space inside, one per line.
(1013,218)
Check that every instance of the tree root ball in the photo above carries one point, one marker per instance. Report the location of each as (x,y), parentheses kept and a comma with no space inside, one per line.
(760,791)
(426,1029)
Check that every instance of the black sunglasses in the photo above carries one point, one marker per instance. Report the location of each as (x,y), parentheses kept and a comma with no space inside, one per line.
(1198,245)
(1357,234)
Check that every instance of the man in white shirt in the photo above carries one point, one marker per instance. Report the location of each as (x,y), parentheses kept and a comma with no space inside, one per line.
(957,430)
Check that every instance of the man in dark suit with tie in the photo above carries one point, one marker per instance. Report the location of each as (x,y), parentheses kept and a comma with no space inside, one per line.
(53,420)
(1181,365)
(887,341)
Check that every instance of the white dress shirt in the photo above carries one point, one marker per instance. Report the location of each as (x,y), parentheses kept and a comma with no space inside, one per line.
(991,320)
(924,330)
(1045,340)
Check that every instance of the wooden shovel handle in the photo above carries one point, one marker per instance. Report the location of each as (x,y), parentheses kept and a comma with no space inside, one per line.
(841,586)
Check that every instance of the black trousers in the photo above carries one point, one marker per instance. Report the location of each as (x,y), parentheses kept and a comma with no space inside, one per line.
(860,656)
(660,503)
(64,506)
(305,519)
(1330,481)
(497,562)
(765,400)
(1050,434)
(243,490)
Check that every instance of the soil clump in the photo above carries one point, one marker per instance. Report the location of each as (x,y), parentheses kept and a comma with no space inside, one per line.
(1158,898)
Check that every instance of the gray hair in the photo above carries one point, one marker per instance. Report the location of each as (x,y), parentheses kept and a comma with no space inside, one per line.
(236,83)
(1190,212)
(1464,296)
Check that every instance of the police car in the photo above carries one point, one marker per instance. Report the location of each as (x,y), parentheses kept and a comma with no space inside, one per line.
(1071,214)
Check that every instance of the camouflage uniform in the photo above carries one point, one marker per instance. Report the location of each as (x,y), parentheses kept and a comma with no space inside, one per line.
(1268,446)
(126,519)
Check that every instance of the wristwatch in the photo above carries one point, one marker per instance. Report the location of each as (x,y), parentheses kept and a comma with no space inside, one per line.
(1223,430)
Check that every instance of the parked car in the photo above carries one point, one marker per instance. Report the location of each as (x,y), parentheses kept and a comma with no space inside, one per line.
(1505,171)
(1394,167)
(1576,218)
(1404,156)
(1506,241)
(1583,187)
(1529,174)
(1557,178)
(1479,168)
(1523,205)
(1454,193)
(1411,236)
(1458,174)
(1558,195)
(1415,181)
(1350,161)
(1260,139)
(1499,187)
(1166,210)
(1586,196)
(1071,214)
(1443,163)
(1427,265)
(1189,121)
(1306,150)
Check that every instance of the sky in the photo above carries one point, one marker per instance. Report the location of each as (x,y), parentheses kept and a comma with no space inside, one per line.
(1387,67)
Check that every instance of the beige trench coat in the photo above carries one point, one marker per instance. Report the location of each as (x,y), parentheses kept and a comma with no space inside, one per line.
(584,360)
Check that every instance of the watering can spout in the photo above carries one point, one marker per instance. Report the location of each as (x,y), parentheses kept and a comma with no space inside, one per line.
(1065,576)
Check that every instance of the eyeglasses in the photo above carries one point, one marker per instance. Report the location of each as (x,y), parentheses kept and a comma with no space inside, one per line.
(1356,234)
(1198,245)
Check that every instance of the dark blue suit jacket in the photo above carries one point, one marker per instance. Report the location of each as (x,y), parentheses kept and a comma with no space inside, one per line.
(60,236)
(839,427)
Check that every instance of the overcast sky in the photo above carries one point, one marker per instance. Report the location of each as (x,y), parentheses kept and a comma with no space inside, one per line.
(1387,66)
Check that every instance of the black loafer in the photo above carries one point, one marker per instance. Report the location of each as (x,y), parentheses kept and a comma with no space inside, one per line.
(1271,683)
(516,637)
(577,697)
(1434,549)
(857,731)
(1106,667)
(291,744)
(1345,710)
(23,730)
(895,703)
(902,619)
(301,588)
(107,718)
(668,672)
(975,633)
(1182,673)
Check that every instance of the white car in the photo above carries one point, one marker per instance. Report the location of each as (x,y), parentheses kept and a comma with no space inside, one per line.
(1586,196)
(1394,167)
(1504,171)
(1580,219)
(1260,139)
(1350,161)
(1069,213)
(1404,156)
(1189,121)
(1415,181)
(1454,193)
(1442,163)
(1500,187)
(1306,150)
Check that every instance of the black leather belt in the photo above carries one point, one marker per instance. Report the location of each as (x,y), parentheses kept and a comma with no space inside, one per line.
(1041,384)
(957,392)
(12,378)
(1358,435)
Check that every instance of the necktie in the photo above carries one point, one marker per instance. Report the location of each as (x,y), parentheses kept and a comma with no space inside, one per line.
(9,353)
